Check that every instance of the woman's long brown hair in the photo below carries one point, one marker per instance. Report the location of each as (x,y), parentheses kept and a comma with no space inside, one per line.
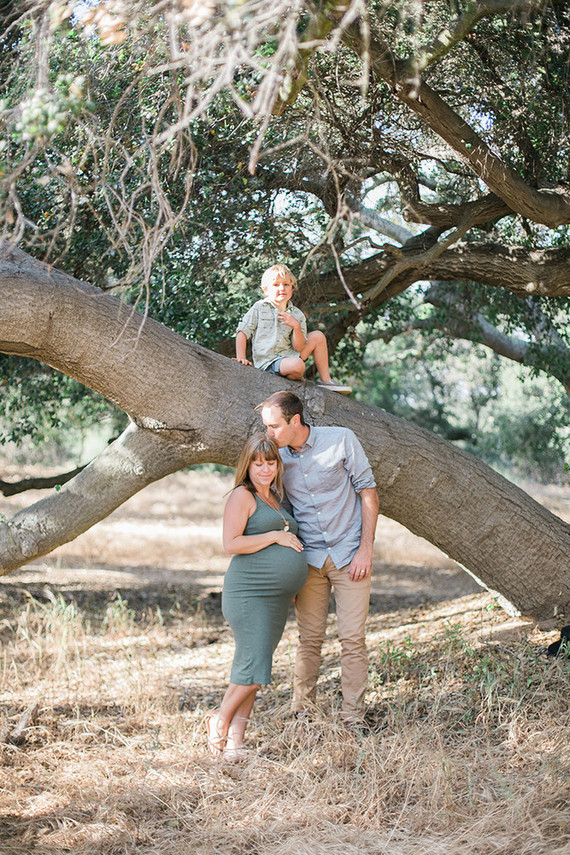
(259,445)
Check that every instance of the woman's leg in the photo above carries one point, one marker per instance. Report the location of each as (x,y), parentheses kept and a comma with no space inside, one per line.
(238,724)
(237,701)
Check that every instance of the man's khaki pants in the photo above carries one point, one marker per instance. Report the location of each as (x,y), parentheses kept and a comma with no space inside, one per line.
(311,606)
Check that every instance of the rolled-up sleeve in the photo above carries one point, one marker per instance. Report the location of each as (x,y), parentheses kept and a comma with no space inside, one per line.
(357,464)
(248,323)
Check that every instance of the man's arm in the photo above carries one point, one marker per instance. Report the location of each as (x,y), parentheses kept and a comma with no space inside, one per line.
(361,564)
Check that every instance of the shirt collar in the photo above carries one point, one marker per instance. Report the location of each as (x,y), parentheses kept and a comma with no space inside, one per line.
(267,300)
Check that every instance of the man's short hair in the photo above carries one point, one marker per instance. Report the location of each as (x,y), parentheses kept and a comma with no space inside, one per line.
(289,404)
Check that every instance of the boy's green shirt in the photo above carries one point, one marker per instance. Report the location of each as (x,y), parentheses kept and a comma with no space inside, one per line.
(271,340)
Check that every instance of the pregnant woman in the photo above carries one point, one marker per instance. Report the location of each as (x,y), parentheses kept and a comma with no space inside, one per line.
(265,573)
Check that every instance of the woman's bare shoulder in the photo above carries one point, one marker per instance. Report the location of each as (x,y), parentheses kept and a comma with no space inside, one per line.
(241,496)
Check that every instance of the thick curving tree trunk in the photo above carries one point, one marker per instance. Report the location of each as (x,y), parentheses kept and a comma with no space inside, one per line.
(188,405)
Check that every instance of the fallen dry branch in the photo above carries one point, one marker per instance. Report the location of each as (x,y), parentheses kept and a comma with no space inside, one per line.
(17,734)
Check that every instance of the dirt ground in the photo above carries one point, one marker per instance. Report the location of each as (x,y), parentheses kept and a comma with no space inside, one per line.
(114,649)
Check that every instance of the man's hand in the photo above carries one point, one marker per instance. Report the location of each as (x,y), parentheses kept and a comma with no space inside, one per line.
(361,564)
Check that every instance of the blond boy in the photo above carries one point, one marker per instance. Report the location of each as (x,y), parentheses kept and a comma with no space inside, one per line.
(278,330)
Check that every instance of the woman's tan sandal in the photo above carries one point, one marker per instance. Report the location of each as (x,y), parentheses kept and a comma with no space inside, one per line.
(236,755)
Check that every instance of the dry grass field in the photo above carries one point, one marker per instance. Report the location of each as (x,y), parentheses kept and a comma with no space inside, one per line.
(114,647)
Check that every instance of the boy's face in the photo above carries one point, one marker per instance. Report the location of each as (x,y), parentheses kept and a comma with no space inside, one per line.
(280,291)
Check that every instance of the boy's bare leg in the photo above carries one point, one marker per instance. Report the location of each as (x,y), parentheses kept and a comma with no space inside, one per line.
(317,345)
(292,368)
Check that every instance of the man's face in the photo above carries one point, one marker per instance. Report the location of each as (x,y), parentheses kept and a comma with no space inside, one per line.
(279,430)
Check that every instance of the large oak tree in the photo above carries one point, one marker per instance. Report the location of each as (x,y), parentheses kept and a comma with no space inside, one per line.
(151,144)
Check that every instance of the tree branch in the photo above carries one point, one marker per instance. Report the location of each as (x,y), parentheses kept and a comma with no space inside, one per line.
(537,272)
(327,18)
(511,99)
(553,357)
(13,488)
(414,209)
(414,261)
(549,207)
(457,31)
(442,214)
(523,271)
(379,224)
(134,460)
(191,405)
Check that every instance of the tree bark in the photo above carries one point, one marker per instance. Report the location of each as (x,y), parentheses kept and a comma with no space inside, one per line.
(189,405)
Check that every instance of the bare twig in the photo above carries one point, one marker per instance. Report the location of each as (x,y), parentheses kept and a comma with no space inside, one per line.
(17,735)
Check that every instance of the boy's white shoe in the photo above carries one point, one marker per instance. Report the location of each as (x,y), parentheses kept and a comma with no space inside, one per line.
(334,387)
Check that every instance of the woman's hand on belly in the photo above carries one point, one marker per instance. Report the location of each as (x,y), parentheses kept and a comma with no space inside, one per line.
(287,538)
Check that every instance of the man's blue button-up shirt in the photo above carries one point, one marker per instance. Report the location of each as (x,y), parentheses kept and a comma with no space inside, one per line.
(322,482)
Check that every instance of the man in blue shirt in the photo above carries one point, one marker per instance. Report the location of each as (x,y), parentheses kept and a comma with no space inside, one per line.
(332,492)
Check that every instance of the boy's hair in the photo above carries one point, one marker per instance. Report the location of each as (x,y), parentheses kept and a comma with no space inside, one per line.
(289,404)
(273,272)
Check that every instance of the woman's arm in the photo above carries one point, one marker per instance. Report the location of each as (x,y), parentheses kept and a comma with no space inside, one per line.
(239,508)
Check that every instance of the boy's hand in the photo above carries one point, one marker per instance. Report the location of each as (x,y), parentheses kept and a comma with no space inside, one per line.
(288,320)
(242,360)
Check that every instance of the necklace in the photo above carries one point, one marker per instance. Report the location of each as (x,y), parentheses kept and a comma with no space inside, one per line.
(273,508)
